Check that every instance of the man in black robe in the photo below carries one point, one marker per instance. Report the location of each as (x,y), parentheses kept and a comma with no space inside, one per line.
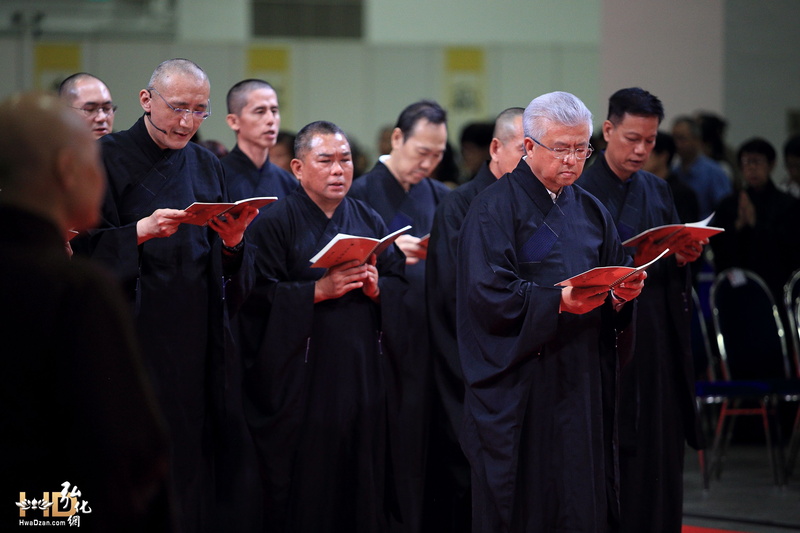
(538,359)
(176,275)
(75,404)
(316,344)
(254,115)
(448,504)
(657,407)
(399,189)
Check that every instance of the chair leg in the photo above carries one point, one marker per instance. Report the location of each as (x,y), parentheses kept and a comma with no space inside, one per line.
(715,466)
(774,445)
(794,446)
(701,460)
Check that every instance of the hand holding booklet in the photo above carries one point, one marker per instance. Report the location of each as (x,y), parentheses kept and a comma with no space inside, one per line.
(202,212)
(606,277)
(344,247)
(658,235)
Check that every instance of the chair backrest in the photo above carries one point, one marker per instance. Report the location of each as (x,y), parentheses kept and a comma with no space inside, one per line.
(748,328)
(705,361)
(791,302)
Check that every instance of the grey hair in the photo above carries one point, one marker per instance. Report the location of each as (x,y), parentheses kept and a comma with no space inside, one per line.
(558,108)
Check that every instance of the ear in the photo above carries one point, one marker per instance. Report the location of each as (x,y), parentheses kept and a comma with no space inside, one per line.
(607,127)
(397,138)
(145,100)
(494,146)
(528,143)
(297,168)
(233,122)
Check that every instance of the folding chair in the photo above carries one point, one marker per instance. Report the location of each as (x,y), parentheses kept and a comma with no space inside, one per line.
(753,355)
(791,302)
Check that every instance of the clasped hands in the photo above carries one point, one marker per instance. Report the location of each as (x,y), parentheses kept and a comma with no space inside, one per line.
(343,278)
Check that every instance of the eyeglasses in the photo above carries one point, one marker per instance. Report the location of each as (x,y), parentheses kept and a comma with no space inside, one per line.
(202,115)
(91,110)
(563,153)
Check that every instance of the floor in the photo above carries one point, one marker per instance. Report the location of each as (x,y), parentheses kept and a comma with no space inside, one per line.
(745,498)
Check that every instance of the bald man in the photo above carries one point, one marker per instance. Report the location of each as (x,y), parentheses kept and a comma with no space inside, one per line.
(75,405)
(449,470)
(182,279)
(91,100)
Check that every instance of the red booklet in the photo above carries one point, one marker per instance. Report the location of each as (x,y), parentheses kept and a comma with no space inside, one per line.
(608,276)
(344,247)
(204,211)
(698,230)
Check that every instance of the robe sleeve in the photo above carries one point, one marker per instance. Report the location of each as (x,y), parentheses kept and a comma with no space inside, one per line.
(505,319)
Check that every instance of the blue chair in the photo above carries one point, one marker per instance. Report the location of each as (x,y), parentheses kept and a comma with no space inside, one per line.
(751,343)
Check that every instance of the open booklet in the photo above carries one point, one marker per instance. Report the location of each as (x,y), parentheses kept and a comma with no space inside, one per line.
(204,211)
(344,247)
(607,276)
(697,230)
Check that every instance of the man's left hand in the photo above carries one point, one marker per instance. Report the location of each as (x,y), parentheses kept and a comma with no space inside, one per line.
(230,229)
(631,287)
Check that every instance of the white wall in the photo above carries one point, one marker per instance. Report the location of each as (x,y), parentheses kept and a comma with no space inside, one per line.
(525,22)
(736,57)
(762,70)
(673,49)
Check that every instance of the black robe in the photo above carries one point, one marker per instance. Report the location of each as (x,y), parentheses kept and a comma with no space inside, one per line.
(244,180)
(657,403)
(380,190)
(539,398)
(315,374)
(177,286)
(449,504)
(75,404)
(238,483)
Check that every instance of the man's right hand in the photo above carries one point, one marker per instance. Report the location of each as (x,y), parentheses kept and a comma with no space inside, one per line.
(412,248)
(339,280)
(580,300)
(162,223)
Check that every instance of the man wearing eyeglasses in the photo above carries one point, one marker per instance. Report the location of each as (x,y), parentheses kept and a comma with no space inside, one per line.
(657,406)
(91,99)
(181,278)
(538,419)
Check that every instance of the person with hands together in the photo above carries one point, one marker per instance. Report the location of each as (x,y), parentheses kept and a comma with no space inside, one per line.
(317,346)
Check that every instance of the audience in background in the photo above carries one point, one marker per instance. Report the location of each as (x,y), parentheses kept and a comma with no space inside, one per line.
(697,170)
(282,153)
(660,164)
(759,231)
(791,161)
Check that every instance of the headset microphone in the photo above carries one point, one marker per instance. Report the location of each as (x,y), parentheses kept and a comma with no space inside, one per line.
(147,114)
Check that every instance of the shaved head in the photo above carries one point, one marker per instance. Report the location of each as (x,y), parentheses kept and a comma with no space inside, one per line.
(178,67)
(57,175)
(68,88)
(237,95)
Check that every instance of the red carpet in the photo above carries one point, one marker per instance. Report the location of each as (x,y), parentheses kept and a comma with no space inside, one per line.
(695,529)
